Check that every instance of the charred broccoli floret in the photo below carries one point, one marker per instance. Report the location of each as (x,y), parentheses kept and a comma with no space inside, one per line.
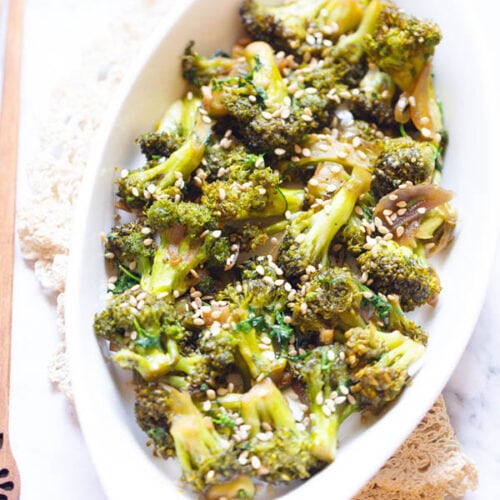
(326,378)
(331,298)
(286,25)
(401,45)
(403,160)
(379,362)
(151,413)
(165,176)
(373,100)
(188,238)
(397,269)
(308,236)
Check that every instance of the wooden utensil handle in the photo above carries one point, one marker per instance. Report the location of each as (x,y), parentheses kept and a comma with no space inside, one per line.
(9,131)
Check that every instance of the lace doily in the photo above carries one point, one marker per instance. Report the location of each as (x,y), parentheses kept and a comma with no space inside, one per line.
(429,465)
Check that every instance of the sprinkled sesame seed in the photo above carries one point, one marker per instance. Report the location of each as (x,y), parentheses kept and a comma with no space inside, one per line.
(340,400)
(135,191)
(426,132)
(217,233)
(148,242)
(303,308)
(344,390)
(400,231)
(266,115)
(243,458)
(176,294)
(326,410)
(124,173)
(252,98)
(206,119)
(211,394)
(319,398)
(285,113)
(421,210)
(207,405)
(109,255)
(279,151)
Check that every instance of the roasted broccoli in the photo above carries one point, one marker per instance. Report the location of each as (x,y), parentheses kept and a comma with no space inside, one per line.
(401,45)
(204,455)
(379,362)
(165,176)
(172,130)
(308,236)
(373,99)
(188,238)
(326,378)
(292,25)
(146,335)
(248,190)
(394,269)
(271,435)
(259,109)
(255,333)
(403,160)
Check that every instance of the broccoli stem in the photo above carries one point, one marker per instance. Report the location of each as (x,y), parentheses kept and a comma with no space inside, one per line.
(266,403)
(265,74)
(335,213)
(366,27)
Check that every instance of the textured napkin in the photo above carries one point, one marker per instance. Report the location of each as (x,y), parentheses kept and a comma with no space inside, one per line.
(429,465)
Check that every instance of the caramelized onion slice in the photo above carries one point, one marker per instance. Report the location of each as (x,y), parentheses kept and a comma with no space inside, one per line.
(405,207)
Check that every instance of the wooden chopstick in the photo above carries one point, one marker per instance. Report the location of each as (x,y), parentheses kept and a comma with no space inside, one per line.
(9,132)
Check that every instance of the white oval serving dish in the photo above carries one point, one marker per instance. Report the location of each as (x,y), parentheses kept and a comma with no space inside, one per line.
(103,396)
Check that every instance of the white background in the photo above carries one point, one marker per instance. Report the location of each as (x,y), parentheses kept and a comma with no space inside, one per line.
(50,450)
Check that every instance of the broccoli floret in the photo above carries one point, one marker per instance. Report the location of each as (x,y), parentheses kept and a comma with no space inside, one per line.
(353,235)
(284,452)
(165,176)
(286,25)
(397,269)
(308,236)
(172,130)
(204,456)
(151,414)
(379,362)
(347,58)
(149,337)
(188,238)
(326,378)
(250,190)
(200,71)
(131,257)
(403,160)
(259,109)
(401,45)
(373,100)
(255,333)
(331,298)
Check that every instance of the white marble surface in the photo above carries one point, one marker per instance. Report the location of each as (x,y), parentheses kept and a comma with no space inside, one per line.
(49,447)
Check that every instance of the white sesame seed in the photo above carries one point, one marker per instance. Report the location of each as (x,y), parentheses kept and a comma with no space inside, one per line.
(421,210)
(279,151)
(285,113)
(326,410)
(266,115)
(207,405)
(217,233)
(124,173)
(426,132)
(255,462)
(344,390)
(210,475)
(340,400)
(148,242)
(319,398)
(206,119)
(109,255)
(306,118)
(135,191)
(199,321)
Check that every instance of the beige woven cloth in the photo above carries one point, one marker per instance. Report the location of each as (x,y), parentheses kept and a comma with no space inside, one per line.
(429,465)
